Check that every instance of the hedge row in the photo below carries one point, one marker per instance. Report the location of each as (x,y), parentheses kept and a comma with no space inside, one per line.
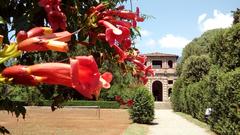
(219,91)
(102,104)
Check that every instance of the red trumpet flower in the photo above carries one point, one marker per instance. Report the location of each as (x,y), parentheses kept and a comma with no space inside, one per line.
(113,33)
(141,58)
(144,79)
(52,73)
(39,31)
(149,70)
(126,44)
(120,52)
(54,41)
(86,78)
(82,74)
(20,75)
(56,18)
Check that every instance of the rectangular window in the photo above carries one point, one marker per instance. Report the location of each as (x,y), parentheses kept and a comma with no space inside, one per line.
(157,64)
(170,81)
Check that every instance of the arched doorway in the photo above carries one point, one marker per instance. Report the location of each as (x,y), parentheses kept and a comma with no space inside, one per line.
(157,90)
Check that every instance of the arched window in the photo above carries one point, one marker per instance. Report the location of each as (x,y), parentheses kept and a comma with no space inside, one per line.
(170,64)
(169,92)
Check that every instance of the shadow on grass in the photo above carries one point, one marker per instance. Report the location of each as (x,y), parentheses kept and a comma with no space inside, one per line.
(153,123)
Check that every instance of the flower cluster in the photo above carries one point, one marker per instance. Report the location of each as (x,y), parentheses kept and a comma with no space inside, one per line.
(113,26)
(129,102)
(142,71)
(56,18)
(81,74)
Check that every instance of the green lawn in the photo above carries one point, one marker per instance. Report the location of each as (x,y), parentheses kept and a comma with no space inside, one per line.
(136,129)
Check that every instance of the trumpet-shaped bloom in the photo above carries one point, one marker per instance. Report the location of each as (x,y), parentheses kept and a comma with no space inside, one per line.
(120,52)
(126,44)
(54,41)
(52,73)
(39,31)
(86,78)
(81,74)
(113,33)
(56,18)
(20,75)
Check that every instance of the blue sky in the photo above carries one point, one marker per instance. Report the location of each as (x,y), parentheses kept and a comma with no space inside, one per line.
(177,22)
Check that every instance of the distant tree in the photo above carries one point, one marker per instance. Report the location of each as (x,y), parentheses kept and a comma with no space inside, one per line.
(195,67)
(236,16)
(200,46)
(225,51)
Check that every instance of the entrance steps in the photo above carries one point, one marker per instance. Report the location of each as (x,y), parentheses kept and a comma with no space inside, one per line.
(162,105)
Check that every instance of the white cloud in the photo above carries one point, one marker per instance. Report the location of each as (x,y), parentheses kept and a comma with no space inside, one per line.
(145,33)
(219,20)
(151,42)
(171,41)
(201,17)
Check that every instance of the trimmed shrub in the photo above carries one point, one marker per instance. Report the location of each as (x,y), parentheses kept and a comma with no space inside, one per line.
(142,110)
(195,67)
(225,118)
(175,95)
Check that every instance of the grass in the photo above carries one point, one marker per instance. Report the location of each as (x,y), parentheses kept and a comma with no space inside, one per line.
(136,129)
(196,122)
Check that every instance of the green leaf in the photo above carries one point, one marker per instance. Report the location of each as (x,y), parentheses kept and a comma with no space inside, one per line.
(2,20)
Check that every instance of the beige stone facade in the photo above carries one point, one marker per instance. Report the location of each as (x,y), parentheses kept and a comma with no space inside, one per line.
(164,66)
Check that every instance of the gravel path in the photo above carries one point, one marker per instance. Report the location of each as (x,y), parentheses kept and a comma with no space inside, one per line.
(169,123)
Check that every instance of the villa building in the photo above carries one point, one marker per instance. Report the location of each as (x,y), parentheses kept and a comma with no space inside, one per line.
(164,66)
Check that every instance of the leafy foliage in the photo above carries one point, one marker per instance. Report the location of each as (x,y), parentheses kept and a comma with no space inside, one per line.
(142,110)
(236,16)
(195,67)
(199,46)
(225,50)
(3,130)
(225,118)
(176,94)
(209,78)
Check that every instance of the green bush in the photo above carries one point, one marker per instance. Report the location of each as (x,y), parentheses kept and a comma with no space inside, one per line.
(142,110)
(225,118)
(31,95)
(175,96)
(226,49)
(125,92)
(195,67)
(219,91)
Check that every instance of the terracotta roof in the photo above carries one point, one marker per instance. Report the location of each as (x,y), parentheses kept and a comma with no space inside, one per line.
(161,54)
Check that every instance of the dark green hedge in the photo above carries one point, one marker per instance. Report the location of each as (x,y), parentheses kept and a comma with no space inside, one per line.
(211,80)
(102,104)
(219,91)
(225,117)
